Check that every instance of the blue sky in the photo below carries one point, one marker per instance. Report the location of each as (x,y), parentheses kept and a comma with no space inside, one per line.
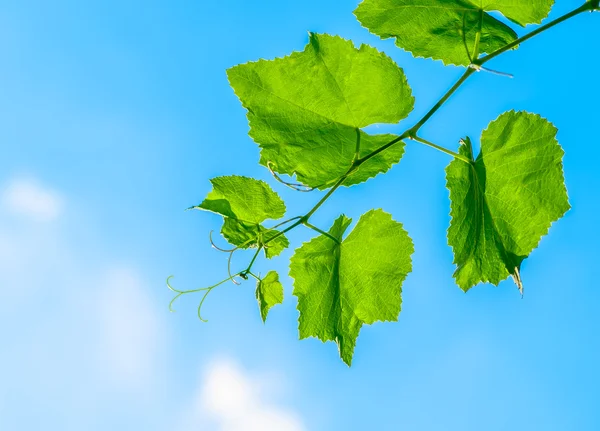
(114,117)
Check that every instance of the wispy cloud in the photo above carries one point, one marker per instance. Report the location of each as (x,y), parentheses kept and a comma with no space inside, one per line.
(81,333)
(31,199)
(234,400)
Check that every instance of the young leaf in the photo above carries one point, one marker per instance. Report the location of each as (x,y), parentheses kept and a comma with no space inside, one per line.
(342,285)
(269,292)
(504,201)
(244,203)
(243,198)
(448,30)
(305,110)
(246,235)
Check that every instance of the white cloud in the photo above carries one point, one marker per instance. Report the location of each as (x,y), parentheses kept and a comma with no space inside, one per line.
(235,401)
(129,334)
(31,199)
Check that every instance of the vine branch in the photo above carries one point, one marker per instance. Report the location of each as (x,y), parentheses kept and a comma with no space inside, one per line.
(587,6)
(412,132)
(476,64)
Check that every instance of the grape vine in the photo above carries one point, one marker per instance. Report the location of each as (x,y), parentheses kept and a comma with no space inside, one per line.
(307,112)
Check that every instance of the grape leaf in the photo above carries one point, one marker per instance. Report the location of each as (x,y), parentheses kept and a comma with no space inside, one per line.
(243,198)
(244,204)
(305,110)
(342,285)
(506,199)
(447,29)
(269,292)
(244,235)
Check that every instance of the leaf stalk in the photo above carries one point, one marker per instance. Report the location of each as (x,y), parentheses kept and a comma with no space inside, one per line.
(322,232)
(442,149)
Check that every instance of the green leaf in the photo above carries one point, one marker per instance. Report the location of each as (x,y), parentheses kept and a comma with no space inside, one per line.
(447,29)
(244,204)
(244,199)
(244,235)
(305,110)
(342,285)
(506,199)
(269,292)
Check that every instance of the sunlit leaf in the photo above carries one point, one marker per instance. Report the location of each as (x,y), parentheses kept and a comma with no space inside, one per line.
(506,199)
(344,284)
(449,30)
(305,110)
(244,204)
(269,292)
